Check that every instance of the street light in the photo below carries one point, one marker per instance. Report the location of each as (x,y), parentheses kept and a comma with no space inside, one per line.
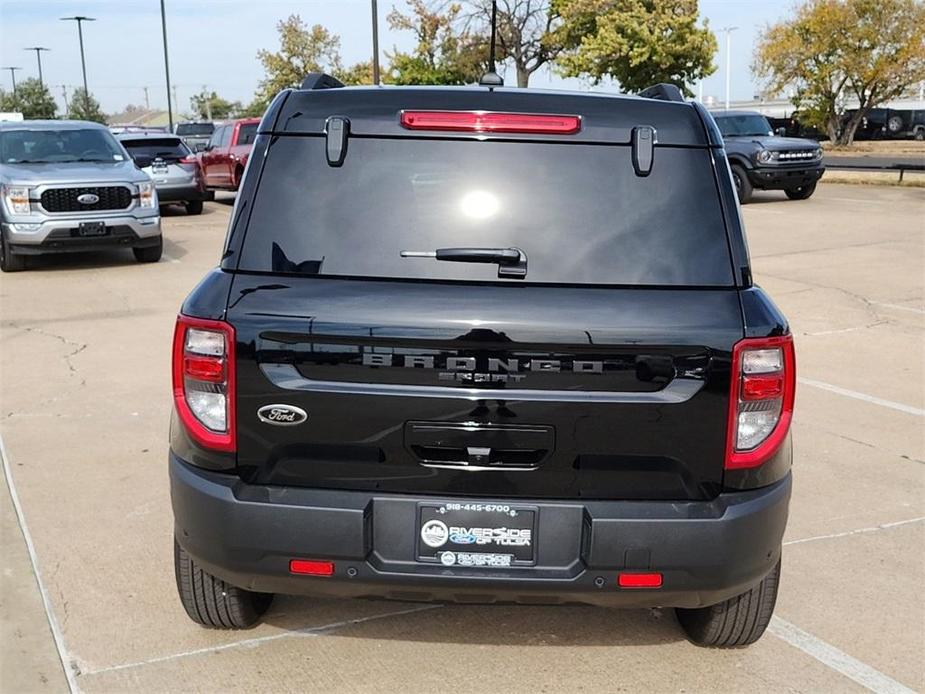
(38,56)
(728,31)
(166,65)
(375,9)
(80,35)
(12,76)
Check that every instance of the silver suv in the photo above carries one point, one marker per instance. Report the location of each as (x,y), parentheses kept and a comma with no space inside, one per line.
(70,186)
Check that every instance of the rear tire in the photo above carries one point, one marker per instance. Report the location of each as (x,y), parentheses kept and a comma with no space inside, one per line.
(802,192)
(736,622)
(211,602)
(743,185)
(151,254)
(194,207)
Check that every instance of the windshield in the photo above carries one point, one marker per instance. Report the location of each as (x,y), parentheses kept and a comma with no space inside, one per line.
(752,125)
(579,212)
(195,129)
(154,147)
(58,146)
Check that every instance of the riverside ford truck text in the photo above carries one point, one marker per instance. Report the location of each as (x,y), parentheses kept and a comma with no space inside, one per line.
(479,344)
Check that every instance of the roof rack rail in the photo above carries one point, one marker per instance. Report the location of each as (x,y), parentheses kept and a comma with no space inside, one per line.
(663,91)
(320,80)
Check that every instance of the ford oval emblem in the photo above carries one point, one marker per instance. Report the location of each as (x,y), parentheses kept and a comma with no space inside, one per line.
(88,199)
(282,415)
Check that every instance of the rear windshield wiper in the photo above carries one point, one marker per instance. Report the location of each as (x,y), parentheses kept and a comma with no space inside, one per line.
(512,262)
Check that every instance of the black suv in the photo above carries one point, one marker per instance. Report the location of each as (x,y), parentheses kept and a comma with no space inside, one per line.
(760,159)
(477,345)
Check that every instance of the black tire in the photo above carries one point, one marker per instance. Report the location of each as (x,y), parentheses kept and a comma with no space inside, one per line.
(150,254)
(919,134)
(737,622)
(894,125)
(802,192)
(742,184)
(194,207)
(211,602)
(10,262)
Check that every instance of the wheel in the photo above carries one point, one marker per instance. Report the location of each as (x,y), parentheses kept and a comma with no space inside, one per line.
(194,207)
(802,192)
(894,124)
(736,622)
(10,262)
(743,185)
(151,254)
(211,602)
(919,134)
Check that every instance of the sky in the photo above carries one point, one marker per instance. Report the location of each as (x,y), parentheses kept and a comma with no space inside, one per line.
(213,43)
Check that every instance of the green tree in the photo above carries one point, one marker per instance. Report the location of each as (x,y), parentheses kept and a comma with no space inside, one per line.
(84,107)
(32,99)
(872,50)
(445,53)
(210,105)
(636,42)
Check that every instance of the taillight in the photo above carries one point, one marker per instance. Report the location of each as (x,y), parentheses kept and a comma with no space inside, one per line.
(203,381)
(760,399)
(491,122)
(189,159)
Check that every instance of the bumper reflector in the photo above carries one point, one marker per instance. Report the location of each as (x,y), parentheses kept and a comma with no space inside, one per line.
(638,580)
(311,567)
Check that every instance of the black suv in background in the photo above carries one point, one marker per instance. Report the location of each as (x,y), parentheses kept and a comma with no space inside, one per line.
(760,159)
(477,345)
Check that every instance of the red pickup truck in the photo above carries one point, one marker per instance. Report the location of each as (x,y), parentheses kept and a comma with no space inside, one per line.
(225,157)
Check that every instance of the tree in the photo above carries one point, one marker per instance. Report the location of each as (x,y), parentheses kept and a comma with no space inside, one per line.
(84,107)
(636,42)
(445,52)
(32,99)
(871,50)
(209,105)
(525,33)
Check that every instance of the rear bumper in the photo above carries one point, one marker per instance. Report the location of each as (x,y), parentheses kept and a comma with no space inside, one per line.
(181,193)
(706,551)
(782,178)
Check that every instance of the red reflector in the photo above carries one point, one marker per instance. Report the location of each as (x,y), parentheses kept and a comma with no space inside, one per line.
(762,387)
(311,567)
(648,580)
(204,368)
(491,122)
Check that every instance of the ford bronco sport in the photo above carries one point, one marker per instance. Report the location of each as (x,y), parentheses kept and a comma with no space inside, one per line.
(477,345)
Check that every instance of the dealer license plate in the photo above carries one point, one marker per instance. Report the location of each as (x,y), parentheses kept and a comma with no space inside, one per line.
(474,534)
(92,229)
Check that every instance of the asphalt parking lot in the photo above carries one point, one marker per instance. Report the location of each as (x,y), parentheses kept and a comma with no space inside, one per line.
(85,401)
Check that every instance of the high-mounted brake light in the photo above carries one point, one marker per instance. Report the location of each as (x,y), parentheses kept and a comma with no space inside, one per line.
(204,381)
(760,399)
(491,122)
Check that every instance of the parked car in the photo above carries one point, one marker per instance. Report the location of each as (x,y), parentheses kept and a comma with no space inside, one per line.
(171,165)
(760,159)
(475,344)
(889,124)
(225,157)
(196,134)
(70,186)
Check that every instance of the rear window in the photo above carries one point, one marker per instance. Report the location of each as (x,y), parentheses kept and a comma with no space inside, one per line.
(154,147)
(247,133)
(186,129)
(579,212)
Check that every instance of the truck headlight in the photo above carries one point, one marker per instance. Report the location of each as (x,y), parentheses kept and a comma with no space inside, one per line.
(765,156)
(147,196)
(16,199)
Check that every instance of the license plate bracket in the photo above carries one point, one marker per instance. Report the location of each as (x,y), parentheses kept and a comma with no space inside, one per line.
(477,534)
(92,229)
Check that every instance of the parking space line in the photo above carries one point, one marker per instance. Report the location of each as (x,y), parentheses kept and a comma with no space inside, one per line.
(33,559)
(168,258)
(908,409)
(883,526)
(246,643)
(899,307)
(837,660)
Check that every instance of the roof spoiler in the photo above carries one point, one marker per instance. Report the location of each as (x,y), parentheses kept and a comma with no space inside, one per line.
(320,80)
(663,92)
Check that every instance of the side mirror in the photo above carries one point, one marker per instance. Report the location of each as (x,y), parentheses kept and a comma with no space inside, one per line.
(781,132)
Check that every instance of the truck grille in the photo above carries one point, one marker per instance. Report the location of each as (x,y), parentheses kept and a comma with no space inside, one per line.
(65,199)
(797,155)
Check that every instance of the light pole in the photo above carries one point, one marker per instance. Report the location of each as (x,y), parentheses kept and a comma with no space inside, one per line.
(38,56)
(375,8)
(12,76)
(728,31)
(83,63)
(166,65)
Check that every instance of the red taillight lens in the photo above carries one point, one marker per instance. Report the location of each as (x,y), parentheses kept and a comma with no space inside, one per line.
(204,381)
(311,567)
(640,580)
(760,399)
(189,159)
(491,122)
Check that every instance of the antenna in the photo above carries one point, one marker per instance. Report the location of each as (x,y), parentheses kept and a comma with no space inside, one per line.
(492,78)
